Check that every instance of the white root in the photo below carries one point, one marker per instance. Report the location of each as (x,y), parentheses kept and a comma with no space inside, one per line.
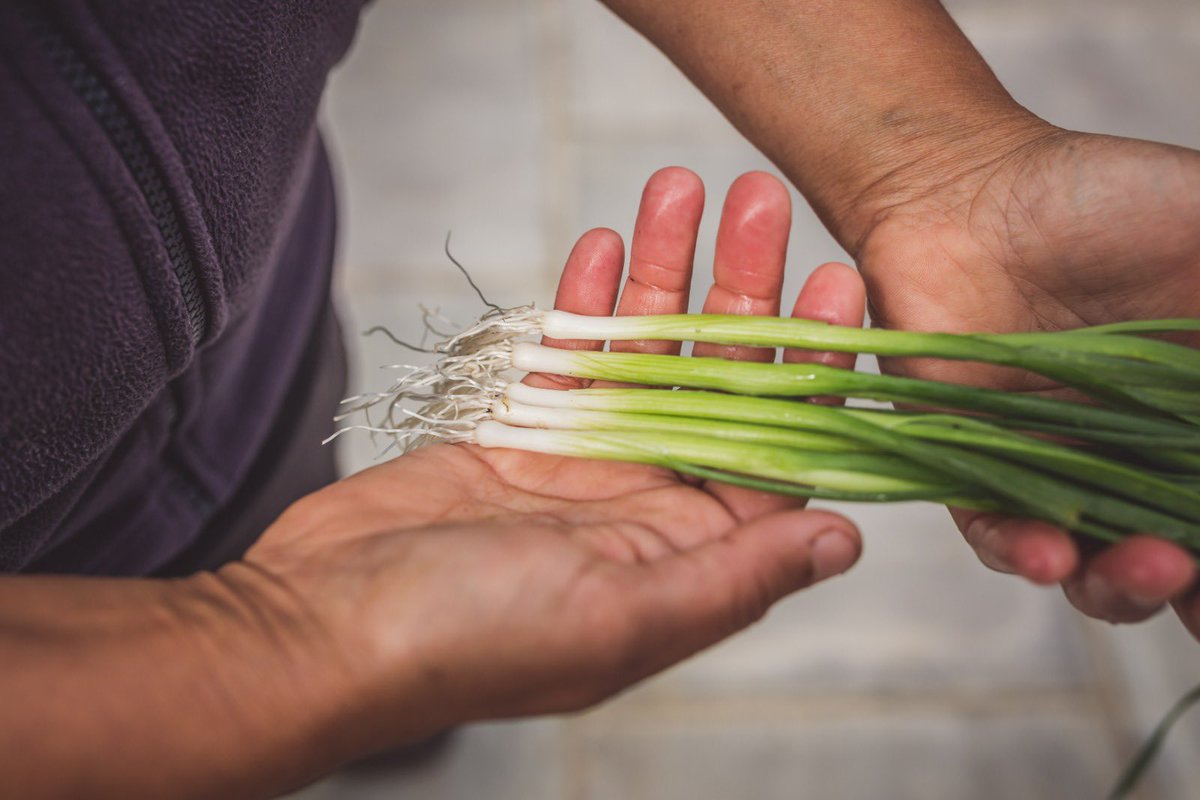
(454,394)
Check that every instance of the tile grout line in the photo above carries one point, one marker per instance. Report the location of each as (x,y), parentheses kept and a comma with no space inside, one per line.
(560,170)
(1115,704)
(845,705)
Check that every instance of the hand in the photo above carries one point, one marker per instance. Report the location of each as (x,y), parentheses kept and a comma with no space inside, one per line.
(458,583)
(1054,230)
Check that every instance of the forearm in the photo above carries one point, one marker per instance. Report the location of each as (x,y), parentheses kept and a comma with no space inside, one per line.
(857,102)
(144,688)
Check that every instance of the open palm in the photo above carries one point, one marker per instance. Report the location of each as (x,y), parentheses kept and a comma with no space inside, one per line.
(1066,230)
(498,582)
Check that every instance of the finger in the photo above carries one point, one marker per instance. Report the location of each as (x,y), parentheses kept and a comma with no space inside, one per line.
(1035,550)
(749,268)
(588,286)
(751,251)
(1188,609)
(748,264)
(833,293)
(702,595)
(1132,580)
(662,252)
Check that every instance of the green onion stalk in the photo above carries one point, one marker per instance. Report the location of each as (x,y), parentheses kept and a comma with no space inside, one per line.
(1148,373)
(970,478)
(1125,462)
(769,420)
(806,380)
(1081,466)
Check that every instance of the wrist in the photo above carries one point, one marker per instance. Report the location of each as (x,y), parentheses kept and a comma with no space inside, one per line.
(318,569)
(931,157)
(286,695)
(862,106)
(214,683)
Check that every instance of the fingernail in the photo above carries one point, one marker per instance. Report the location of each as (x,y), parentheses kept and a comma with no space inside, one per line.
(833,552)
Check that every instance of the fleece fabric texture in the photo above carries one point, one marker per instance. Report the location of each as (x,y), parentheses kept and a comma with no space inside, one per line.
(129,416)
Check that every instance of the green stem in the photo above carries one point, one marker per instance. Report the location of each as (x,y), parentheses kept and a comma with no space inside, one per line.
(1149,749)
(1077,367)
(530,416)
(1043,496)
(1173,325)
(1072,464)
(835,475)
(794,490)
(1174,357)
(814,379)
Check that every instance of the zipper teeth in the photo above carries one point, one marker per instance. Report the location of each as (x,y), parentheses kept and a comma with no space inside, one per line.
(135,152)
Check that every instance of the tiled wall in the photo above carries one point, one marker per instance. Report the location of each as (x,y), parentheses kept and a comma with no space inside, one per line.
(520,123)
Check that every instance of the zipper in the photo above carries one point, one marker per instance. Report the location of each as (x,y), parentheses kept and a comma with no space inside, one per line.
(90,87)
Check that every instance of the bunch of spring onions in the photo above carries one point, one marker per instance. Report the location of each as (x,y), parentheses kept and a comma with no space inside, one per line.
(1126,461)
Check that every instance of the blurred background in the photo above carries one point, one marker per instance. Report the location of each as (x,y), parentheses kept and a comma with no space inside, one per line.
(520,124)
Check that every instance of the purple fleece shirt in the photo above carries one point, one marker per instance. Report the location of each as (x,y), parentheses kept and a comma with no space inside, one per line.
(166,233)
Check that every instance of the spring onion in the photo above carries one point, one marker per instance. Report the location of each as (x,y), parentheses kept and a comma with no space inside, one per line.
(1126,462)
(744,421)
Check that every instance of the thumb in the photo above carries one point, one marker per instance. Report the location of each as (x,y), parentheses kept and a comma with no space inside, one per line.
(692,600)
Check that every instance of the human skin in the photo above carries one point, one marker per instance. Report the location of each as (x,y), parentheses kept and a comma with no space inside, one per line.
(332,638)
(449,585)
(964,212)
